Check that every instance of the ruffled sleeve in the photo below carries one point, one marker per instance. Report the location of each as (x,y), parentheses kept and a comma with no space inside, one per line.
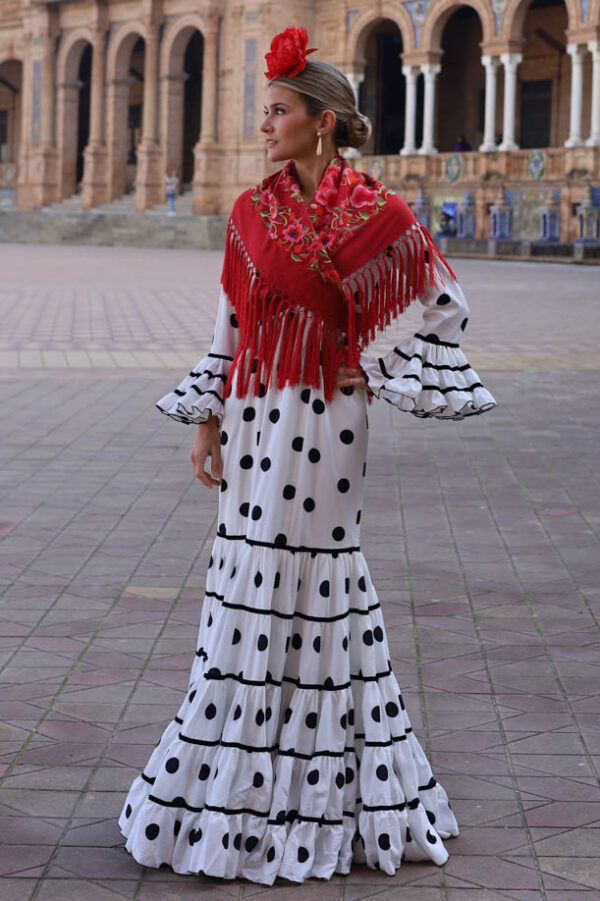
(428,374)
(201,391)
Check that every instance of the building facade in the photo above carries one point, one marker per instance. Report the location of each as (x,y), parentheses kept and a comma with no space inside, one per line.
(479,108)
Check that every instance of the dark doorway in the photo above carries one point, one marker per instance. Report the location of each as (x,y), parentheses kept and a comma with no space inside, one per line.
(192,103)
(536,113)
(83,113)
(383,89)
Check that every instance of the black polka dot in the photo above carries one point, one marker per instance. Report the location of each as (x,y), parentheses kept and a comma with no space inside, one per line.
(298,444)
(221,563)
(339,780)
(280,818)
(311,720)
(260,717)
(256,512)
(408,835)
(309,505)
(265,464)
(402,704)
(318,406)
(194,836)
(299,584)
(277,580)
(431,837)
(233,320)
(237,842)
(303,854)
(246,461)
(210,712)
(382,772)
(271,854)
(391,709)
(338,533)
(347,585)
(430,816)
(172,765)
(296,641)
(346,436)
(237,712)
(442,300)
(313,777)
(268,713)
(258,579)
(237,635)
(152,831)
(287,715)
(324,588)
(176,827)
(225,840)
(383,841)
(349,774)
(343,721)
(251,843)
(343,485)
(224,437)
(245,508)
(204,771)
(362,584)
(358,515)
(192,695)
(262,390)
(128,811)
(378,633)
(289,492)
(210,562)
(262,643)
(233,572)
(376,713)
(248,414)
(463,324)
(280,541)
(274,415)
(210,620)
(345,642)
(305,395)
(347,390)
(314,455)
(351,716)
(258,780)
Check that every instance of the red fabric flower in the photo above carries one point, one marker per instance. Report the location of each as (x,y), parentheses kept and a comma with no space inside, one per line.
(287,56)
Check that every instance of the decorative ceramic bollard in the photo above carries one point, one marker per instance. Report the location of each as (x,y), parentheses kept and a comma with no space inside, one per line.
(550,218)
(466,216)
(422,209)
(501,221)
(589,219)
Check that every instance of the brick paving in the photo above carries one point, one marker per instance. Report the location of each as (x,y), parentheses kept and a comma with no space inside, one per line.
(482,538)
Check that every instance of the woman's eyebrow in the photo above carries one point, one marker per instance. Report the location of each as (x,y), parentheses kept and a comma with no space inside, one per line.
(277,103)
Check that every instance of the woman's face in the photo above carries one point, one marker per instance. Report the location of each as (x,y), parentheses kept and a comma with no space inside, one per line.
(289,130)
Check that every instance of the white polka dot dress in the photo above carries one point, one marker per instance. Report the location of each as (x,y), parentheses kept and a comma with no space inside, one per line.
(292,754)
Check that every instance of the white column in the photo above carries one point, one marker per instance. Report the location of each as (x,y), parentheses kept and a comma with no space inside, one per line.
(430,73)
(491,64)
(411,73)
(576,52)
(510,61)
(208,125)
(355,80)
(594,138)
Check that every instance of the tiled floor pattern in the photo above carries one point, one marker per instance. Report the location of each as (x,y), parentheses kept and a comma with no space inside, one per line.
(482,538)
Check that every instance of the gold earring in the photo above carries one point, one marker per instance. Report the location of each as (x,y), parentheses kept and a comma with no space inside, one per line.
(319,145)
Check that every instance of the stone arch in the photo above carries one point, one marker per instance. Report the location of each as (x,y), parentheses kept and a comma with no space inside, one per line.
(11,104)
(366,21)
(516,10)
(118,61)
(439,13)
(72,120)
(175,41)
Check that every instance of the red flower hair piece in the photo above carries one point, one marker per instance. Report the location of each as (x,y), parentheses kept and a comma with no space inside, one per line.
(287,56)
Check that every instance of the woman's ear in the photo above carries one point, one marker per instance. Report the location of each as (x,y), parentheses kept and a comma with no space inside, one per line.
(328,121)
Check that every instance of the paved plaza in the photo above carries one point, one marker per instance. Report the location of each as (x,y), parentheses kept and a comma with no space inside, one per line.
(482,537)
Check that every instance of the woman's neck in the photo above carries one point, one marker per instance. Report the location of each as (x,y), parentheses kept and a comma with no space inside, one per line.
(310,172)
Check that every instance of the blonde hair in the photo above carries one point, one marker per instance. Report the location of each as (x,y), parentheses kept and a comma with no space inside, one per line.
(323,87)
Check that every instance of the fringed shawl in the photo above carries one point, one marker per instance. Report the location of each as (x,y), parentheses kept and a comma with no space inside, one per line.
(319,280)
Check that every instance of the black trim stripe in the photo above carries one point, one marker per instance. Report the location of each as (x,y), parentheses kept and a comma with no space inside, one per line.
(383,369)
(296,681)
(288,547)
(220,357)
(452,387)
(287,752)
(208,391)
(295,614)
(440,367)
(433,339)
(207,372)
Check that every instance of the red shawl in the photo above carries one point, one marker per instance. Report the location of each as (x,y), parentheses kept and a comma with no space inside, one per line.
(319,280)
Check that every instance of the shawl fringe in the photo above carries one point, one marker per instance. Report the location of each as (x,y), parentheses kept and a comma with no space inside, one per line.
(310,348)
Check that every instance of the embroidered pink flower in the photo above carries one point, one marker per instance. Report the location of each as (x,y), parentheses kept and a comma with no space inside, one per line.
(361,196)
(294,232)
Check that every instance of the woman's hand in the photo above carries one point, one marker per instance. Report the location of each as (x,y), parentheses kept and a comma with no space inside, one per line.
(207,444)
(348,376)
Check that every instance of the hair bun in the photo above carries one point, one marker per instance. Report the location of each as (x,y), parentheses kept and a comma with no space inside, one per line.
(359,129)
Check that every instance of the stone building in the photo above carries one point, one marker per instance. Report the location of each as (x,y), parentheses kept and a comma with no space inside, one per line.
(476,105)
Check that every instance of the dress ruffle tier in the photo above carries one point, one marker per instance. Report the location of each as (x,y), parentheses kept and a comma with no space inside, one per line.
(268,771)
(427,377)
(200,393)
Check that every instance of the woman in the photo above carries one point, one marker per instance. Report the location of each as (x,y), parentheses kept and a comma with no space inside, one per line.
(292,754)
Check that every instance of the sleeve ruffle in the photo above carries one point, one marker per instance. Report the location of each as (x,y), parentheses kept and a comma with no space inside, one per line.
(199,394)
(427,378)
